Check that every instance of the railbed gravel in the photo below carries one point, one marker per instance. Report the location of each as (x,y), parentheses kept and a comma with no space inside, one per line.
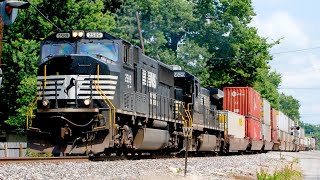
(221,167)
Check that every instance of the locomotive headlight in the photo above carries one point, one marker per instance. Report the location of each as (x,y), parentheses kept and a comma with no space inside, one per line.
(74,34)
(45,102)
(87,102)
(80,33)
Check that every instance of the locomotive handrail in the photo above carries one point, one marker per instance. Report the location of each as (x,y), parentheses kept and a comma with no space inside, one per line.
(183,119)
(189,110)
(101,94)
(109,103)
(31,110)
(45,76)
(188,114)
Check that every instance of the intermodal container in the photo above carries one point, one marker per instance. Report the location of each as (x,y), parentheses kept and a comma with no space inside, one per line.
(242,100)
(235,123)
(313,143)
(274,113)
(283,122)
(301,133)
(301,141)
(265,112)
(274,135)
(282,135)
(290,138)
(253,128)
(306,141)
(266,132)
(291,124)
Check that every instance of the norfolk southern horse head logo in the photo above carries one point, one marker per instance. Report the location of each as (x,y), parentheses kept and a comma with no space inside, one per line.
(71,84)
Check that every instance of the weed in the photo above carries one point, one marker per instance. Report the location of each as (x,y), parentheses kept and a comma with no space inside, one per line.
(295,160)
(283,158)
(179,170)
(286,173)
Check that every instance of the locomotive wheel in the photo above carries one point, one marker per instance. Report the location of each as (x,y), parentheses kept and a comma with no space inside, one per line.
(119,152)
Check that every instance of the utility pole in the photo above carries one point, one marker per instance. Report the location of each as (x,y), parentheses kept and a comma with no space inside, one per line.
(8,12)
(1,39)
(140,32)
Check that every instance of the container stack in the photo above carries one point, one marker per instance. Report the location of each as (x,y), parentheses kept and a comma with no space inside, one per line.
(246,101)
(313,144)
(301,138)
(289,142)
(266,124)
(274,129)
(283,132)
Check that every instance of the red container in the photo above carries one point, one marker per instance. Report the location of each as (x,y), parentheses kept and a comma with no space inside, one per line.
(274,119)
(274,135)
(242,100)
(253,128)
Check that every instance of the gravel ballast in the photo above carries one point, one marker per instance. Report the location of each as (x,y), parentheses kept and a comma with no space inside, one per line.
(221,167)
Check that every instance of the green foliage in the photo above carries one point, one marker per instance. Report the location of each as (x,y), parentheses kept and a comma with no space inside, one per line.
(266,84)
(290,106)
(286,173)
(193,58)
(67,15)
(32,154)
(21,52)
(21,60)
(26,91)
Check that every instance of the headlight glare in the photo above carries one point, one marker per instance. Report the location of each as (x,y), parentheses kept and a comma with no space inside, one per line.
(87,102)
(80,34)
(74,34)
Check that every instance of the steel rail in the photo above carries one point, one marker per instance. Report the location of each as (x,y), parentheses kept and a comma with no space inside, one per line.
(43,159)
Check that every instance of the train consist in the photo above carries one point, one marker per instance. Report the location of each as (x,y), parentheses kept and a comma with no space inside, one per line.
(99,94)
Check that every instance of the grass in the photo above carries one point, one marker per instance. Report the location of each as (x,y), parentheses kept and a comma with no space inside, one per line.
(286,173)
(179,170)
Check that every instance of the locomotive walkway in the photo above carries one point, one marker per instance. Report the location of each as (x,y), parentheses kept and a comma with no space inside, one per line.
(310,164)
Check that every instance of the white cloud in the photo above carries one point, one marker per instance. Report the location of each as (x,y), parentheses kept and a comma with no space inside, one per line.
(281,25)
(300,69)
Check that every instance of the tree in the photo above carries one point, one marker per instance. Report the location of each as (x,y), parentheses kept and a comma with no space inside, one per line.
(21,52)
(165,24)
(266,84)
(238,52)
(21,60)
(71,15)
(290,106)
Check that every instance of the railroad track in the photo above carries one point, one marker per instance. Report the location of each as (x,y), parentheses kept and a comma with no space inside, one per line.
(115,158)
(80,158)
(44,159)
(98,158)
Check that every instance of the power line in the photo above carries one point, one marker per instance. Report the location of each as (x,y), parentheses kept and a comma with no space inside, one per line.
(315,88)
(44,15)
(276,53)
(297,50)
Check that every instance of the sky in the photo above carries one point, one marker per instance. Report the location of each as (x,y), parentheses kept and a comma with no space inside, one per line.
(297,22)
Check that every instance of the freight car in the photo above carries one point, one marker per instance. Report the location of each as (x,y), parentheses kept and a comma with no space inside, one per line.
(99,94)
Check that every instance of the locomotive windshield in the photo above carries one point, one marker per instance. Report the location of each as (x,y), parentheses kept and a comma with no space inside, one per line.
(57,49)
(108,50)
